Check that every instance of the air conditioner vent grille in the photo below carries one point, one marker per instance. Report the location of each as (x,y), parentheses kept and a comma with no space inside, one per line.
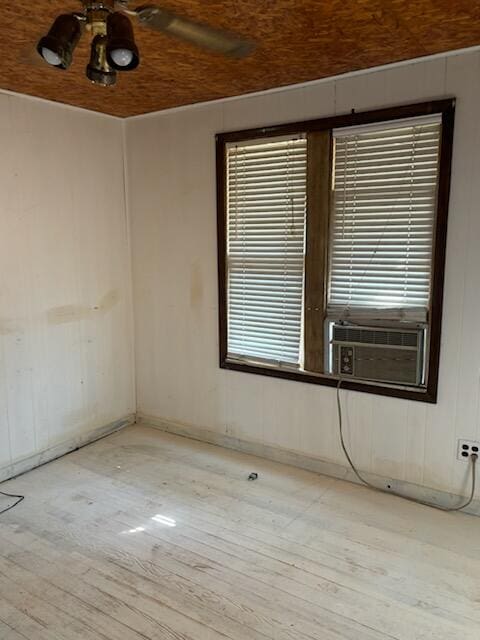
(376,336)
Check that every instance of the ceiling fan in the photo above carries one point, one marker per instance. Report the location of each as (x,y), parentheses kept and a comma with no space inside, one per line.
(113,45)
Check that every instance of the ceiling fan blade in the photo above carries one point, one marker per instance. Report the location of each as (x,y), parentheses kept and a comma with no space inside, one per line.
(200,34)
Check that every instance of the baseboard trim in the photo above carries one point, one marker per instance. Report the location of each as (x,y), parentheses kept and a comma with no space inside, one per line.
(52,453)
(303,461)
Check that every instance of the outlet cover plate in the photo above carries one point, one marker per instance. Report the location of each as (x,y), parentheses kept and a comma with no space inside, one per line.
(467,447)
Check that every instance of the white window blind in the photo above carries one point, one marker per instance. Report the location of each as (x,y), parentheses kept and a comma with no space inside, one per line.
(385,194)
(266,191)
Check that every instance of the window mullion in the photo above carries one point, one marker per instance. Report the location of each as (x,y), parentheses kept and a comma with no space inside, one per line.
(319,167)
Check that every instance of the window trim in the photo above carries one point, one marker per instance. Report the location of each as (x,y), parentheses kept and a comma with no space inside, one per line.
(445,107)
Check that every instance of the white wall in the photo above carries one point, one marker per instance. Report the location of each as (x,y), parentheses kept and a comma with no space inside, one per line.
(172,203)
(65,297)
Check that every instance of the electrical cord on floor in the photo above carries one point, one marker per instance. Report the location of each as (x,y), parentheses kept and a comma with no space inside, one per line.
(465,504)
(11,495)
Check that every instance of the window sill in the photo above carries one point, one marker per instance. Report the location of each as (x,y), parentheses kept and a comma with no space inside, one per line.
(418,394)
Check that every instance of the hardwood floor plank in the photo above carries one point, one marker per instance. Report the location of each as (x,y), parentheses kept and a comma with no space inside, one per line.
(350,555)
(145,535)
(143,556)
(7,633)
(26,571)
(82,587)
(33,618)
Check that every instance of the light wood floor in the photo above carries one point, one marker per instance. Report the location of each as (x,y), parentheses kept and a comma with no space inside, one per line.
(147,535)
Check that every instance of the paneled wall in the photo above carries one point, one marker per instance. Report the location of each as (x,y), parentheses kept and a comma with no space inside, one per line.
(66,339)
(172,203)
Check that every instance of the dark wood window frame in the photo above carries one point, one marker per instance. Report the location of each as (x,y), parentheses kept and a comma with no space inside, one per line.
(315,290)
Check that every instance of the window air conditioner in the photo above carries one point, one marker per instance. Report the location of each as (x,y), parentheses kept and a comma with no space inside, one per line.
(378,354)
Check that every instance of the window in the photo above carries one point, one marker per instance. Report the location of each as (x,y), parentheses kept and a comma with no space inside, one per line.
(331,248)
(265,248)
(385,190)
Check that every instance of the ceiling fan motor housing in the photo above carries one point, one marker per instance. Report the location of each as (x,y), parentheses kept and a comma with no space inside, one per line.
(93,5)
(96,14)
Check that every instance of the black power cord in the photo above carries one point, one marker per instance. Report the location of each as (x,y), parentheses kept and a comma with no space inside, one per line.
(11,495)
(473,458)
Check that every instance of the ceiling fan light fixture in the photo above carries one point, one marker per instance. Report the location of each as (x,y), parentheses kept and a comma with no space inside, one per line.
(113,46)
(122,51)
(57,47)
(98,69)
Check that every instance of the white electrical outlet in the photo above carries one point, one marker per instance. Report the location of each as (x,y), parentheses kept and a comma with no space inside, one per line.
(465,449)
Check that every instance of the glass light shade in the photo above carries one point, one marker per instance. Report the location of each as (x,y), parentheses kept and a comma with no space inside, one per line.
(51,57)
(121,57)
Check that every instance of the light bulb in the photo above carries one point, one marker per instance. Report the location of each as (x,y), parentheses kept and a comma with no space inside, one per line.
(51,57)
(121,57)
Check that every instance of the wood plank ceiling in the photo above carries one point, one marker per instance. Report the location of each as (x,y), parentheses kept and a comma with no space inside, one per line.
(298,40)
